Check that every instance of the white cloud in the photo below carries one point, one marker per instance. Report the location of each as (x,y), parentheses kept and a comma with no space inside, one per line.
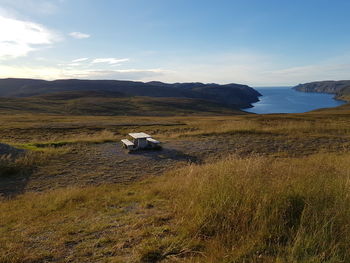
(128,74)
(18,37)
(85,63)
(79,35)
(51,73)
(110,61)
(79,60)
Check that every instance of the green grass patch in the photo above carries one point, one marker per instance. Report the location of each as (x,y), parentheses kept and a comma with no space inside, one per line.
(100,137)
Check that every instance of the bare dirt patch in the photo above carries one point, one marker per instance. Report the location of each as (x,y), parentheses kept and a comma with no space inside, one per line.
(104,163)
(95,164)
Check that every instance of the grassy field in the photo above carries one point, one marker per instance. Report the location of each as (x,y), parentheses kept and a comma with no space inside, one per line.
(104,105)
(248,188)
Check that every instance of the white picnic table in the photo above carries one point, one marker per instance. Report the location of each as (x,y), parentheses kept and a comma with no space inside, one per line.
(141,140)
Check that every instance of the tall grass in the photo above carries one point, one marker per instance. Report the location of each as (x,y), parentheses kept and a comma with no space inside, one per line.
(93,224)
(99,137)
(255,209)
(254,125)
(266,210)
(27,161)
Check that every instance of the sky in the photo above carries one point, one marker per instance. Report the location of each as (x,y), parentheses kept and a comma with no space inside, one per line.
(253,42)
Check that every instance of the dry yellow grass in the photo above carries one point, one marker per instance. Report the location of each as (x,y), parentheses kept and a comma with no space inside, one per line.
(266,210)
(255,209)
(273,124)
(252,209)
(26,162)
(53,128)
(64,141)
(93,222)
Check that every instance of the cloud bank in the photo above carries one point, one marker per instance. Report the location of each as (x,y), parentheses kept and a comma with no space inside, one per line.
(246,71)
(18,37)
(51,73)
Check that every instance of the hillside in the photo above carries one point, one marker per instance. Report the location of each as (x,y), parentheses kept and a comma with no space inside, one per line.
(234,95)
(340,88)
(111,103)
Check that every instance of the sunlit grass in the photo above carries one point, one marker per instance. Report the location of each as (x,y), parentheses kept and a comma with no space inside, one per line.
(272,125)
(251,209)
(255,209)
(266,210)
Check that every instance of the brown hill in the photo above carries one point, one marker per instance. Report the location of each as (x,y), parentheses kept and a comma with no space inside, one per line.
(234,95)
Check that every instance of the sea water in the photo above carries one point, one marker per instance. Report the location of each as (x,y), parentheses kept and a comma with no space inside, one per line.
(288,100)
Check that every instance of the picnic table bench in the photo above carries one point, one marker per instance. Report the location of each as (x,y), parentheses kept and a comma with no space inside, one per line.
(128,144)
(141,140)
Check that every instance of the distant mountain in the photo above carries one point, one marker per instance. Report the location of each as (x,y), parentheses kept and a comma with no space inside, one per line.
(234,95)
(340,88)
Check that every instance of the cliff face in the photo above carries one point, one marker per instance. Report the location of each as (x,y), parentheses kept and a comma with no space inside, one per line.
(340,88)
(234,95)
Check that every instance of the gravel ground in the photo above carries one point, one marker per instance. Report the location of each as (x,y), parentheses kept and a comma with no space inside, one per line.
(94,164)
(105,163)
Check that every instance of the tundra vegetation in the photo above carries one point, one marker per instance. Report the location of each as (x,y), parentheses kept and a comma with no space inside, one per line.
(259,188)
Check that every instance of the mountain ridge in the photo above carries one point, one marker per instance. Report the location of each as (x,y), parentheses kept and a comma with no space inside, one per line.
(340,88)
(234,95)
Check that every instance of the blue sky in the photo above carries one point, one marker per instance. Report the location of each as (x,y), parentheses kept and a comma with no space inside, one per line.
(254,42)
